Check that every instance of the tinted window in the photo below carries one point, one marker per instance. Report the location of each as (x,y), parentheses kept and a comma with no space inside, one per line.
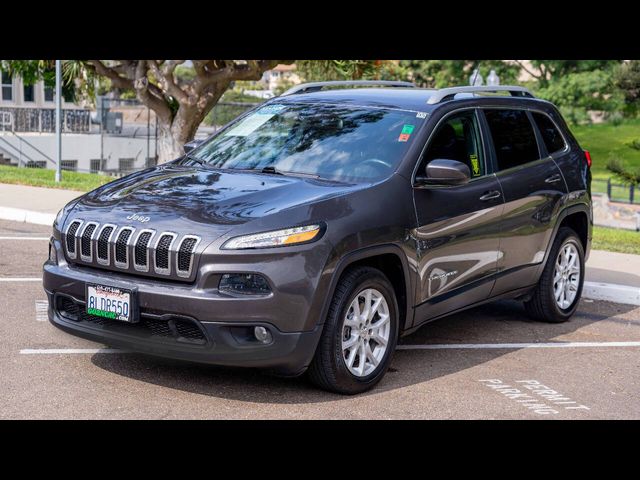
(458,138)
(335,142)
(552,138)
(513,137)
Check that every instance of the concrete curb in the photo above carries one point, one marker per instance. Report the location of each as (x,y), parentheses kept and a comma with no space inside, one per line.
(611,292)
(27,216)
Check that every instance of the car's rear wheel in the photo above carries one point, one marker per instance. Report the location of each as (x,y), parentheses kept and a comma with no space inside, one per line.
(558,292)
(359,335)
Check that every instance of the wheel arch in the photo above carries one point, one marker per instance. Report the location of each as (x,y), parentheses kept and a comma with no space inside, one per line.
(579,217)
(391,260)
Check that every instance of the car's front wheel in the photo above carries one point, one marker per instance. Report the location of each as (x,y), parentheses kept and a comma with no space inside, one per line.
(359,335)
(558,292)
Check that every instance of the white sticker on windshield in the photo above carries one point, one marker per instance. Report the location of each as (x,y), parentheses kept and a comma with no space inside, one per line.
(249,125)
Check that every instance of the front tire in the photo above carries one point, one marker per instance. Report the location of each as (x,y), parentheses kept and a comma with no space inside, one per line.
(558,292)
(360,333)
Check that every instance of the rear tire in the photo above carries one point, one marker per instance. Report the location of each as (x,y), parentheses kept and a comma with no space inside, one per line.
(357,343)
(558,292)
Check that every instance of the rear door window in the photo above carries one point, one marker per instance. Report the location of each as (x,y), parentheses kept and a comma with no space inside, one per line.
(550,134)
(513,136)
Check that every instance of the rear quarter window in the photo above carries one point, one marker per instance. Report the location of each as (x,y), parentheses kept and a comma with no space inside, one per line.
(550,134)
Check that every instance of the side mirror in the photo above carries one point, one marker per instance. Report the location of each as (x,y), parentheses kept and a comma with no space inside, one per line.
(191,145)
(445,172)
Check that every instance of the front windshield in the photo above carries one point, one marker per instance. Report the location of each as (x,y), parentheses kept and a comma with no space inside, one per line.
(334,142)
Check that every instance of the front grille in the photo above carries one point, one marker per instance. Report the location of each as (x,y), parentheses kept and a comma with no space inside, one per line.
(121,246)
(178,329)
(85,242)
(70,239)
(185,254)
(141,254)
(125,248)
(103,243)
(162,251)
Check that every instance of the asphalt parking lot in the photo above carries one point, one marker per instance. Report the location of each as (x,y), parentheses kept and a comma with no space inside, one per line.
(487,363)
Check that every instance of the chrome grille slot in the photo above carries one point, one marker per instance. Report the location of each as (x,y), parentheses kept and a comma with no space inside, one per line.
(184,259)
(70,238)
(86,247)
(104,239)
(141,250)
(121,247)
(162,263)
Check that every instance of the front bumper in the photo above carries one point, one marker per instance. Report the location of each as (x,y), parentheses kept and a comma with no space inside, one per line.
(180,321)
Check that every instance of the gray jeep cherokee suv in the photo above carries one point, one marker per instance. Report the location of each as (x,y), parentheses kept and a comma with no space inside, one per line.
(313,231)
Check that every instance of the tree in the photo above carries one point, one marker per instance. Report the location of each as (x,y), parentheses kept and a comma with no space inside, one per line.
(179,98)
(625,175)
(547,71)
(578,93)
(449,73)
(626,77)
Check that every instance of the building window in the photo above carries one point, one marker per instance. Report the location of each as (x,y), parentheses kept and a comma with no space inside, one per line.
(48,94)
(125,165)
(71,165)
(28,93)
(7,87)
(94,165)
(36,164)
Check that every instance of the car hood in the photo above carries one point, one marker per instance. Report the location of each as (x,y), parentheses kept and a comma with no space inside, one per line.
(180,197)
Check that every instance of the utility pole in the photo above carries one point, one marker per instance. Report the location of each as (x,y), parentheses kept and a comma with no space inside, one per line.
(58,122)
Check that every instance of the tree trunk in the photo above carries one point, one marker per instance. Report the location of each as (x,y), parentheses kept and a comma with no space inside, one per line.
(183,127)
(169,147)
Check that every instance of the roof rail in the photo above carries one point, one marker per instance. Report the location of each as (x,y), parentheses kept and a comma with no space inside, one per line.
(444,93)
(316,86)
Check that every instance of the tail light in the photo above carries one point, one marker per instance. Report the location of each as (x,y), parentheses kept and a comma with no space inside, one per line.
(587,155)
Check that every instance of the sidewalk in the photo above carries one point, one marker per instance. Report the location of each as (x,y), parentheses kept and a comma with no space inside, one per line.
(610,276)
(33,204)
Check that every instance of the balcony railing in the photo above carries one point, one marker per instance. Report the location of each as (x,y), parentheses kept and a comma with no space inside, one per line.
(43,120)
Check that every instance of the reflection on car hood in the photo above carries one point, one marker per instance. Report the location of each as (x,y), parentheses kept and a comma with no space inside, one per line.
(195,194)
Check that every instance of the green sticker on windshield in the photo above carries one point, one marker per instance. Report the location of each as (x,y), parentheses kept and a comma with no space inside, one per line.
(408,129)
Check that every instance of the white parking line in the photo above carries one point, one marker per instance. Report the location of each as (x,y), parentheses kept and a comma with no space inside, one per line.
(21,279)
(24,238)
(482,346)
(42,307)
(58,351)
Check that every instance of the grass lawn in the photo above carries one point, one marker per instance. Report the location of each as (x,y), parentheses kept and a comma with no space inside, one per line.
(605,141)
(616,240)
(40,177)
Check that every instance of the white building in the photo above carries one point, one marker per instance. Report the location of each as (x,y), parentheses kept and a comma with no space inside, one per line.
(27,132)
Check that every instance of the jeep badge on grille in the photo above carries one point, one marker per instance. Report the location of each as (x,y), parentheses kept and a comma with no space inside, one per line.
(139,218)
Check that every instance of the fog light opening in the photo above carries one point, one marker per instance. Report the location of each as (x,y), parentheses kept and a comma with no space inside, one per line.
(244,284)
(262,335)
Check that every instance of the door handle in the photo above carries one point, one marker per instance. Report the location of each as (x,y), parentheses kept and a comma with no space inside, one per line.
(493,194)
(553,178)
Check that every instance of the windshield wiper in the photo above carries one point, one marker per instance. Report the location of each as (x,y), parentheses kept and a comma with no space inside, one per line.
(274,171)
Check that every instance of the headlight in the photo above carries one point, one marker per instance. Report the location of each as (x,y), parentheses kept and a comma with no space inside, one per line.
(288,236)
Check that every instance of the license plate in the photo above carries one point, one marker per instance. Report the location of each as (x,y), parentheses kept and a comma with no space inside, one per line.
(110,302)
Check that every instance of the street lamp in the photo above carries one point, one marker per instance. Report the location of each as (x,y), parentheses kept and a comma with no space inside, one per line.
(58,122)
